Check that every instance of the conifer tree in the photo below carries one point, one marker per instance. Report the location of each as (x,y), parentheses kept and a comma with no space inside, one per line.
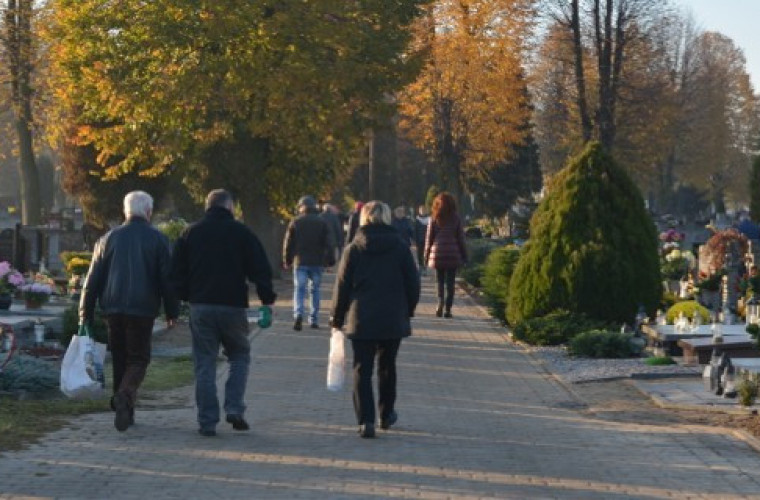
(593,247)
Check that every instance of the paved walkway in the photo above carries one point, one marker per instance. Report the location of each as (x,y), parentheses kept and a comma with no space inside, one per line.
(478,419)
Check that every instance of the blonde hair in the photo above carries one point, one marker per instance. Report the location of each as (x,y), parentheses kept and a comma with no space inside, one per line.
(375,212)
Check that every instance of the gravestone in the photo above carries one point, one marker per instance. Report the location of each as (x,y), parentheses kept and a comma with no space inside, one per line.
(6,245)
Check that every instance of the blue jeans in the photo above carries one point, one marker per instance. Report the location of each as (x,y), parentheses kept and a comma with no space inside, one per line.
(303,275)
(212,325)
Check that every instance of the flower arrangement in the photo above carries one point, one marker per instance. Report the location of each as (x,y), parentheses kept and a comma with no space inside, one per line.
(723,242)
(710,282)
(38,290)
(676,264)
(671,236)
(77,266)
(10,279)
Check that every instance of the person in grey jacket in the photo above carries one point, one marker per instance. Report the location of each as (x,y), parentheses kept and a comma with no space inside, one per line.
(129,278)
(308,247)
(376,293)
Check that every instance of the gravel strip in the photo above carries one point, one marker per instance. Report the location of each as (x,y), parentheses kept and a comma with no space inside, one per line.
(575,370)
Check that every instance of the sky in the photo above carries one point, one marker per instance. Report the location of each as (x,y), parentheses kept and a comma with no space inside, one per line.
(738,20)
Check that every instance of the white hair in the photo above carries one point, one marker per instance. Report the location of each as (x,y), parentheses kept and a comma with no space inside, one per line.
(139,204)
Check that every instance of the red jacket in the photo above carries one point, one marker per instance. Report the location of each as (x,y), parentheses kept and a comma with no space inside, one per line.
(444,245)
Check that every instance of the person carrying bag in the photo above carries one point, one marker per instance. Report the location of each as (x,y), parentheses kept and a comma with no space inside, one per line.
(82,375)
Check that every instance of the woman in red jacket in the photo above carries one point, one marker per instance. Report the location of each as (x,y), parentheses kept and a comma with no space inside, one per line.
(445,250)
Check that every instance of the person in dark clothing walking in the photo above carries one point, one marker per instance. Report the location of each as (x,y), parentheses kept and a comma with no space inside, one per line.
(403,225)
(445,249)
(376,292)
(421,223)
(308,247)
(353,222)
(332,218)
(129,277)
(213,259)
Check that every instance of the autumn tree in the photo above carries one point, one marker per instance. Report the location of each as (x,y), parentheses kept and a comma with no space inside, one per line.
(601,33)
(17,50)
(267,99)
(468,106)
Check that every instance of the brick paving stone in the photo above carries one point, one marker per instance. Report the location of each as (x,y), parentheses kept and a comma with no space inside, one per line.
(478,419)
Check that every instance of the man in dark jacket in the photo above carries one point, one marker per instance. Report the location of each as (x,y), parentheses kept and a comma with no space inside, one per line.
(129,277)
(308,247)
(213,258)
(330,216)
(376,293)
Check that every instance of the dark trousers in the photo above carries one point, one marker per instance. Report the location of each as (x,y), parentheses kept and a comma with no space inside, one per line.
(129,338)
(420,255)
(364,360)
(445,278)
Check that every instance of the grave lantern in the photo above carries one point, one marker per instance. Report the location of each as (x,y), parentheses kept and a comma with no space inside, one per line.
(752,310)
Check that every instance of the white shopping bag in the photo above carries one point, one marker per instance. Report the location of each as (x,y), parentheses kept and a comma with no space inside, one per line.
(82,374)
(336,371)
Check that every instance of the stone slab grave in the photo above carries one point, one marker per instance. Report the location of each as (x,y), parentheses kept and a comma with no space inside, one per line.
(665,339)
(699,350)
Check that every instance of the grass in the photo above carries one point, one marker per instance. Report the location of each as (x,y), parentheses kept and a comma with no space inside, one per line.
(24,421)
(658,361)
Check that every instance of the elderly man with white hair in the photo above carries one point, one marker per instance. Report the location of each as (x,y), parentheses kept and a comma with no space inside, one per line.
(129,278)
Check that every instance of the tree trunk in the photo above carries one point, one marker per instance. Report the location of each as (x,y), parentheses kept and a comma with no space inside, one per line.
(580,78)
(30,182)
(18,42)
(258,216)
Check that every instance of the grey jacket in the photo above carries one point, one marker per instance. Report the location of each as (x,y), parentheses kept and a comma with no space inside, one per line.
(129,273)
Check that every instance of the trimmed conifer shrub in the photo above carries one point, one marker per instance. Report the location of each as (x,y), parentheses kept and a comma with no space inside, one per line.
(497,271)
(592,249)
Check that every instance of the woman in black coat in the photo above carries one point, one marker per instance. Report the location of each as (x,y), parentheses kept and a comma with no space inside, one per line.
(376,292)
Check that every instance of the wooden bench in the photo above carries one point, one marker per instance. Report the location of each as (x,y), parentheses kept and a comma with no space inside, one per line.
(699,350)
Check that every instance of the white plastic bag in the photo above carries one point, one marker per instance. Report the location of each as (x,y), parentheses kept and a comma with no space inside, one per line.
(82,374)
(336,371)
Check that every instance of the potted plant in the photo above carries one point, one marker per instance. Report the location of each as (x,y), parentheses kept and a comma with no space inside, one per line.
(10,281)
(37,291)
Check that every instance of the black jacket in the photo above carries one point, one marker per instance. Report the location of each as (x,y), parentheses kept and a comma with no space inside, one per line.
(213,258)
(308,242)
(404,228)
(129,273)
(377,287)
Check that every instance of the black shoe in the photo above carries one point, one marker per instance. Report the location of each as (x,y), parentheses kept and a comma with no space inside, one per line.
(367,430)
(385,423)
(207,432)
(447,314)
(439,311)
(298,323)
(315,326)
(238,422)
(123,418)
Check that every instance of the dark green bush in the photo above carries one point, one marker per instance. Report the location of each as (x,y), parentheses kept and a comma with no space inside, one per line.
(30,374)
(601,344)
(71,326)
(593,247)
(497,271)
(555,328)
(477,251)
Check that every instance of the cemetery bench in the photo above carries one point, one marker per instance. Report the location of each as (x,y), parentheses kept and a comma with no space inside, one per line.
(699,350)
(666,339)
